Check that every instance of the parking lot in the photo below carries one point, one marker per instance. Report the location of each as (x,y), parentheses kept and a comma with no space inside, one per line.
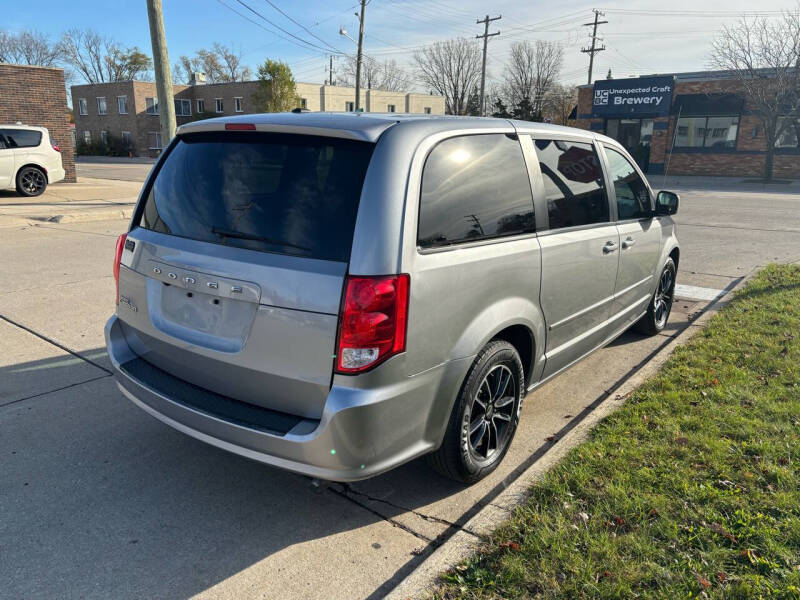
(98,500)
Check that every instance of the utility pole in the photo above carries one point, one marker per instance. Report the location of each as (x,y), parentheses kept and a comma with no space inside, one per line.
(359,55)
(166,104)
(486,35)
(594,49)
(330,78)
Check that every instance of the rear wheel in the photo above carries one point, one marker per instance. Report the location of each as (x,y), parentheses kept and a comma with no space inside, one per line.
(485,416)
(661,303)
(31,181)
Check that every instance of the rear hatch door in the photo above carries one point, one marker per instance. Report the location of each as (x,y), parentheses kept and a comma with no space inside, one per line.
(232,275)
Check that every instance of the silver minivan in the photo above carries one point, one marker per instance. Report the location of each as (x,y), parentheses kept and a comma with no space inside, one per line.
(337,294)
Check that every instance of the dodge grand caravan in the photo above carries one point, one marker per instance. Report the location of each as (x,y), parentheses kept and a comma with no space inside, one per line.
(337,294)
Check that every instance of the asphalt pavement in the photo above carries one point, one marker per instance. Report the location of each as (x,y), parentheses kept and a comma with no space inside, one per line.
(98,500)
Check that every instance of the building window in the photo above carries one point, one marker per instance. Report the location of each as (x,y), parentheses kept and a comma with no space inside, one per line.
(102,109)
(218,107)
(349,106)
(201,105)
(788,132)
(390,108)
(427,110)
(104,138)
(122,105)
(87,137)
(183,108)
(303,103)
(82,107)
(126,139)
(237,105)
(706,132)
(154,140)
(151,106)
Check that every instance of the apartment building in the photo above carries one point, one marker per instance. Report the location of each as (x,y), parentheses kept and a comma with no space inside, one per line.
(128,110)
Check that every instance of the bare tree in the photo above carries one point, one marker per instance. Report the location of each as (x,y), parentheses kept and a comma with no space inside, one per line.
(28,48)
(220,64)
(531,73)
(99,60)
(451,68)
(386,75)
(559,102)
(764,56)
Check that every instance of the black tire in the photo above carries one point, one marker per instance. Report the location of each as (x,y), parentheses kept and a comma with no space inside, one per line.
(31,181)
(460,457)
(661,303)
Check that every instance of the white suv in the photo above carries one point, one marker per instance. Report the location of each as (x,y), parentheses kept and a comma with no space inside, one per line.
(29,159)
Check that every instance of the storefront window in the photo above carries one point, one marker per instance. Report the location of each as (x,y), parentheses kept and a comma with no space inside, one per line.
(706,132)
(788,132)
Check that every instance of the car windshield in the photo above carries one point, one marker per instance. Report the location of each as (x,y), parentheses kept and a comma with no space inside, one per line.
(290,194)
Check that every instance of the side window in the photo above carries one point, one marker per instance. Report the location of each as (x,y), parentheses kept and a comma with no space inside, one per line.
(633,197)
(22,138)
(474,187)
(573,183)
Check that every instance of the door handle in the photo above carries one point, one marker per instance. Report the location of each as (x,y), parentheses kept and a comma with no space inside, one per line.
(609,247)
(628,243)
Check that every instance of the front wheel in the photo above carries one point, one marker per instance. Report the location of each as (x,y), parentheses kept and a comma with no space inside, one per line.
(485,416)
(661,303)
(31,181)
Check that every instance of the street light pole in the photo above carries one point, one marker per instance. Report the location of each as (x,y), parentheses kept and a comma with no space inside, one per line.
(359,55)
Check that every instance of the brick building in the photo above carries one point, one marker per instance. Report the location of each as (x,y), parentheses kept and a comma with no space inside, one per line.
(128,110)
(687,124)
(37,96)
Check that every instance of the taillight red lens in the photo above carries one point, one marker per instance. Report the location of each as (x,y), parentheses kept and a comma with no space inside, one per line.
(117,259)
(372,324)
(56,147)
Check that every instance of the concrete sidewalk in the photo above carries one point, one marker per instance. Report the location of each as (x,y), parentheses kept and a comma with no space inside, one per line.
(723,184)
(88,200)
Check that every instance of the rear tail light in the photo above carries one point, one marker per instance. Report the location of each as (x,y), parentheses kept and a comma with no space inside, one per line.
(117,259)
(56,147)
(372,324)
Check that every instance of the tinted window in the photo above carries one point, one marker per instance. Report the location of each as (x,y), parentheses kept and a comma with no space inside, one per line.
(289,194)
(633,197)
(573,183)
(474,187)
(22,138)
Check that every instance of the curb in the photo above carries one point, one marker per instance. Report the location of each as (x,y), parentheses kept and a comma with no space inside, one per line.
(464,543)
(77,217)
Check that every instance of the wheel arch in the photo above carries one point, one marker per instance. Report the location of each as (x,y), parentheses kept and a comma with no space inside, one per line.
(35,166)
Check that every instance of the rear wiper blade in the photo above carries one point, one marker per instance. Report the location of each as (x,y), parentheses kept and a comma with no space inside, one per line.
(256,238)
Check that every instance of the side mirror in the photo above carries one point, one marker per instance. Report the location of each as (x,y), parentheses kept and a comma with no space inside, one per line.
(667,203)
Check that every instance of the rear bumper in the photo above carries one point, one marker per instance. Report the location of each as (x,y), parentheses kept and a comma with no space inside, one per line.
(362,432)
(56,174)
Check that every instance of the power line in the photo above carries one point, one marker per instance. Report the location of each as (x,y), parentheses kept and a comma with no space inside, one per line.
(594,49)
(311,33)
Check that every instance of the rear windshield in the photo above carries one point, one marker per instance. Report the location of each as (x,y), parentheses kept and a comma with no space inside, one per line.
(289,194)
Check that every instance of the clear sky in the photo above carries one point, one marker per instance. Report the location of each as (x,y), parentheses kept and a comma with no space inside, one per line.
(641,37)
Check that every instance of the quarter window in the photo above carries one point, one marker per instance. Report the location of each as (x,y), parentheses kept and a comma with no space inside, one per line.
(473,188)
(102,109)
(633,197)
(573,183)
(21,138)
(151,106)
(122,105)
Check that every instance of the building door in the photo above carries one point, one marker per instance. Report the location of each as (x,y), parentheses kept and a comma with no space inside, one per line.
(635,135)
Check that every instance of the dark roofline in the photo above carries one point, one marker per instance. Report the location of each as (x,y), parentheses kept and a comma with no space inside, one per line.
(707,75)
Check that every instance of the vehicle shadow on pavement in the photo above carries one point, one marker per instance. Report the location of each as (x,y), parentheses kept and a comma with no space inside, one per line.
(101,500)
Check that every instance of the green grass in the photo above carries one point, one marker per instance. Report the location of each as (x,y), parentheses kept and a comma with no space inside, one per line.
(691,489)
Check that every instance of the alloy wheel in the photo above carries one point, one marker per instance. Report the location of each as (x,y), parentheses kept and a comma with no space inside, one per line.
(32,181)
(492,412)
(662,303)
